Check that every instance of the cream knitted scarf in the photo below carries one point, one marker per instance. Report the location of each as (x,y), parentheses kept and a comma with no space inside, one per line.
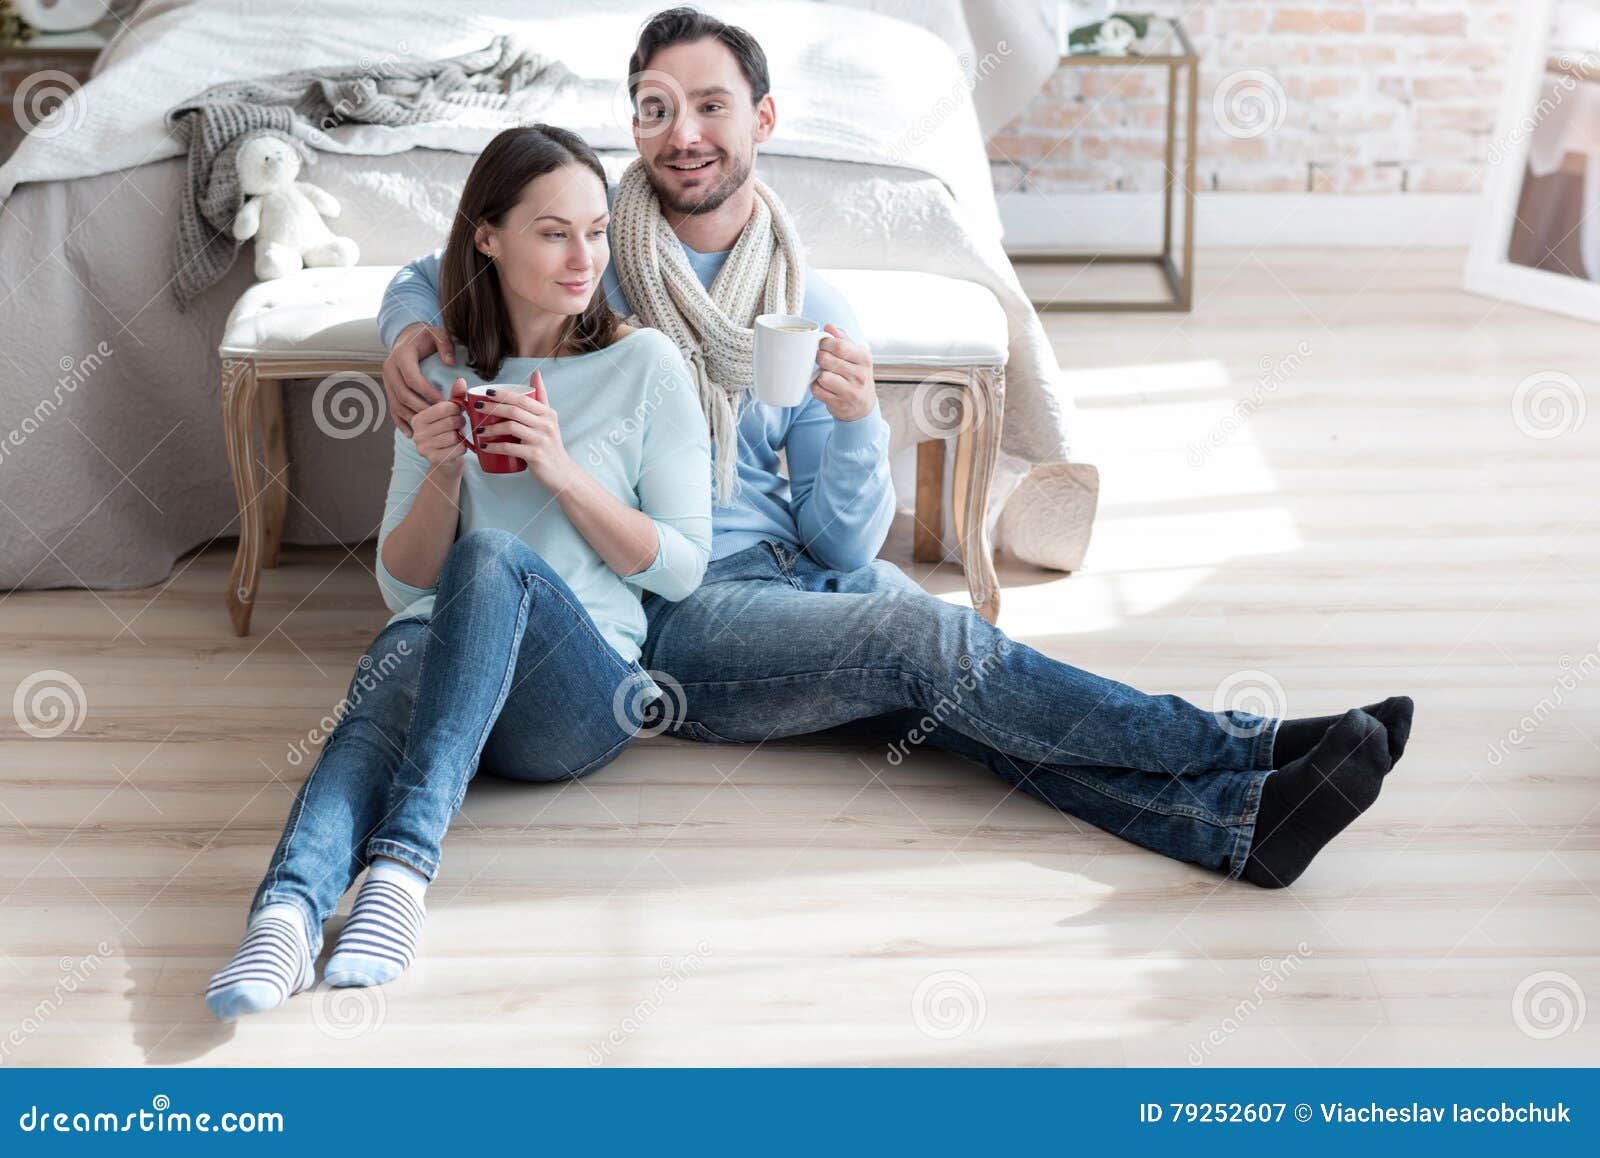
(764,274)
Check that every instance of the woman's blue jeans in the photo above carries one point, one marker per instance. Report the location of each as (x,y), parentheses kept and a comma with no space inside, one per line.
(510,676)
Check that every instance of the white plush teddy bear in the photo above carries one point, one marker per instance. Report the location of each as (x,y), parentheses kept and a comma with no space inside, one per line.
(285,215)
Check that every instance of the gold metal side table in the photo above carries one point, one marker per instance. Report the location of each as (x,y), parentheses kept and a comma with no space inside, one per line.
(1165,45)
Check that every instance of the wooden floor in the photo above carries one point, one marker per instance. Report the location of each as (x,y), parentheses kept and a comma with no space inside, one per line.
(1318,479)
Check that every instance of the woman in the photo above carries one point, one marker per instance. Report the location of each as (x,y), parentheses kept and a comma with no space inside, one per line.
(518,625)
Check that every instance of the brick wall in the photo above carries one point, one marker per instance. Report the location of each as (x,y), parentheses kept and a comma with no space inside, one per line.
(1340,96)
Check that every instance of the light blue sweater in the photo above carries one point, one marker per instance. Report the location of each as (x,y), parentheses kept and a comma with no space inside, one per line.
(838,500)
(631,417)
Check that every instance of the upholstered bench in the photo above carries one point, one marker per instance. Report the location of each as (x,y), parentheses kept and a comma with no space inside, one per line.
(942,338)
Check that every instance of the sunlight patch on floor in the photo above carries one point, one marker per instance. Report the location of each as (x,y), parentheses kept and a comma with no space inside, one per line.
(1185,488)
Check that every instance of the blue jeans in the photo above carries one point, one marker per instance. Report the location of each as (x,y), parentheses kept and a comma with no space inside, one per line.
(510,676)
(773,644)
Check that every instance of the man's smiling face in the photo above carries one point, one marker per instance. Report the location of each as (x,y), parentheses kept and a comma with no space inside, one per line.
(696,127)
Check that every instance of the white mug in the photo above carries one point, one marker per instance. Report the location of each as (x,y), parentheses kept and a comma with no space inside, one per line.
(785,357)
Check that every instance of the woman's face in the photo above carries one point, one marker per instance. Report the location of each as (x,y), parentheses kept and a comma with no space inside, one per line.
(551,248)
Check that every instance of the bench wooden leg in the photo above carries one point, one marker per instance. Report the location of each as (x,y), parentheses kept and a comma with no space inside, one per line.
(926,536)
(977,451)
(239,386)
(275,482)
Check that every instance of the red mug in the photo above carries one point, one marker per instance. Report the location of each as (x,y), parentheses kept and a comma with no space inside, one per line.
(477,419)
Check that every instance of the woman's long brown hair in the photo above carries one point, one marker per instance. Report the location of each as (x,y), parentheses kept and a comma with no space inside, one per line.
(474,308)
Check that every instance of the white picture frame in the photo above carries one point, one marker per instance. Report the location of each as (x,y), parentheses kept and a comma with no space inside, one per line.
(1490,272)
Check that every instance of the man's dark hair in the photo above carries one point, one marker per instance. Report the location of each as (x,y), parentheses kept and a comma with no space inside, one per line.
(686,25)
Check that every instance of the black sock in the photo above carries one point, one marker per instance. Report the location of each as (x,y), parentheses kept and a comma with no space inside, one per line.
(1297,737)
(1309,801)
(1395,716)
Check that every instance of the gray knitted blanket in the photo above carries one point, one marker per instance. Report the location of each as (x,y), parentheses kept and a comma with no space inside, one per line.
(502,78)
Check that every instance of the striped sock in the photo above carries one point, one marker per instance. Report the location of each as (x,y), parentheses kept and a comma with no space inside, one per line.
(380,938)
(272,964)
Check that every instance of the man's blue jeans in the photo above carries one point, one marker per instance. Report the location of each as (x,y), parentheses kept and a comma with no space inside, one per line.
(510,676)
(772,644)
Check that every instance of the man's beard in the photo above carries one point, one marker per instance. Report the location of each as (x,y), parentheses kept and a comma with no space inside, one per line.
(696,201)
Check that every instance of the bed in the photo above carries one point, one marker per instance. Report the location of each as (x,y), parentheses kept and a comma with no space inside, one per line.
(112,463)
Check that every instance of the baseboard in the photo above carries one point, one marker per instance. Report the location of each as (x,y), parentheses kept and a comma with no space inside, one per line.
(1113,222)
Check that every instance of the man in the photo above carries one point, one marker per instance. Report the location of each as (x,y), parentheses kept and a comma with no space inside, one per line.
(797,628)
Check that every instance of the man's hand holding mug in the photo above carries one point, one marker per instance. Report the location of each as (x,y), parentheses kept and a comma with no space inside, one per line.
(789,347)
